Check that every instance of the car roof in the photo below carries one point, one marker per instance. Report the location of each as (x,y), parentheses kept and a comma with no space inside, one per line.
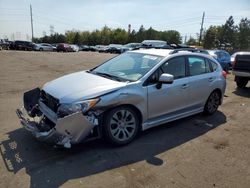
(152,51)
(154,41)
(168,52)
(241,53)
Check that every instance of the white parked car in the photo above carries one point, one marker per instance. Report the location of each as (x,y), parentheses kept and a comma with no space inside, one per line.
(44,47)
(74,47)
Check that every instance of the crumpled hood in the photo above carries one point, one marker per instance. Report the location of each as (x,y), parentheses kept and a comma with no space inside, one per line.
(80,86)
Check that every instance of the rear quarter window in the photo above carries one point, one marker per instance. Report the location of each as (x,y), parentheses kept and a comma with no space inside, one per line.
(214,65)
(197,66)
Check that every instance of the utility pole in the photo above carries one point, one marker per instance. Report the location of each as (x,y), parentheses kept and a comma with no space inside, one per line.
(51,28)
(31,20)
(185,40)
(201,30)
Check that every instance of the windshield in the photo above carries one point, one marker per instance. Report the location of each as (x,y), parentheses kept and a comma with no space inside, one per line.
(128,66)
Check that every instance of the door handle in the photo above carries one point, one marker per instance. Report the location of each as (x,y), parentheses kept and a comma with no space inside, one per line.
(184,86)
(211,79)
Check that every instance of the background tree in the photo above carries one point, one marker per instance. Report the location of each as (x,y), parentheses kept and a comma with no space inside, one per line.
(140,35)
(150,34)
(106,33)
(243,35)
(227,34)
(132,36)
(210,37)
(192,41)
(77,39)
(171,36)
(120,36)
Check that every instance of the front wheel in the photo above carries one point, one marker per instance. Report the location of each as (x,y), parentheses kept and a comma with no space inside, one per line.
(121,125)
(212,103)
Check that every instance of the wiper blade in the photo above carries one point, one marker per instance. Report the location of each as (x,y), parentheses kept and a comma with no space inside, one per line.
(106,75)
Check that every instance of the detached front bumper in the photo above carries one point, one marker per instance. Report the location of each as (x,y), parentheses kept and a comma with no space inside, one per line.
(64,131)
(51,136)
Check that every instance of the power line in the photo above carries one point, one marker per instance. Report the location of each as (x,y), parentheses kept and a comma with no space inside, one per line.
(4,20)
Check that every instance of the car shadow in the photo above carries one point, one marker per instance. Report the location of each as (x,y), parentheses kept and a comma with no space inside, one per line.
(243,92)
(51,167)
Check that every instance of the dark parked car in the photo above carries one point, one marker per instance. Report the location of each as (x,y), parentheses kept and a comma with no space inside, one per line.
(92,48)
(4,44)
(103,49)
(84,48)
(222,57)
(158,44)
(131,46)
(241,68)
(114,48)
(63,47)
(23,45)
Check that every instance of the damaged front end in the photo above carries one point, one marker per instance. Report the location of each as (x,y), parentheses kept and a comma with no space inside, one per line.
(47,119)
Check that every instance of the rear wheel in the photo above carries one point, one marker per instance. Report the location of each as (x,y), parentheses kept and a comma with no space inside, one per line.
(121,125)
(212,103)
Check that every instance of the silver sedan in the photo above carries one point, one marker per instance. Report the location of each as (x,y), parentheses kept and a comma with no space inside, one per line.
(44,47)
(129,93)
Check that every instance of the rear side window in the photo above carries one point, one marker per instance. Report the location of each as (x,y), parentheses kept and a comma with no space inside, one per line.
(176,67)
(214,66)
(197,66)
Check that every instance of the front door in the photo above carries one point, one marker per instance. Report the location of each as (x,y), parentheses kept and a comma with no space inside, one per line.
(170,98)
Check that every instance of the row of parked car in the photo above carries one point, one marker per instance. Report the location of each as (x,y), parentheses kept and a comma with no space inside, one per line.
(221,56)
(30,46)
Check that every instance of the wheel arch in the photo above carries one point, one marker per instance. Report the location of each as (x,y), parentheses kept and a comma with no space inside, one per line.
(219,91)
(138,112)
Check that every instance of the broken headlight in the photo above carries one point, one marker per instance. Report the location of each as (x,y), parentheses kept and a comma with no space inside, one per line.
(83,106)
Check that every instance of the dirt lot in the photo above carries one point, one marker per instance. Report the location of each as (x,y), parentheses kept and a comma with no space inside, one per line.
(197,151)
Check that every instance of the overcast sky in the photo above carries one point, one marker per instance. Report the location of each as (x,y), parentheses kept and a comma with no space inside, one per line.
(181,15)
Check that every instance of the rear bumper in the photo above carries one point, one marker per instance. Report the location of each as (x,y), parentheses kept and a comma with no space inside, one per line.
(241,73)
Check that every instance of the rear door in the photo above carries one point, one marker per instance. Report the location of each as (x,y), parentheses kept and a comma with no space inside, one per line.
(201,80)
(46,47)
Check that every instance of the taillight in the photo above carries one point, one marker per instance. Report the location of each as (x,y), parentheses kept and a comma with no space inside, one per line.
(233,63)
(224,74)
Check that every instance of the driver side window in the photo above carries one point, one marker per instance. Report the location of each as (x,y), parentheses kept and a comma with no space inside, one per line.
(175,66)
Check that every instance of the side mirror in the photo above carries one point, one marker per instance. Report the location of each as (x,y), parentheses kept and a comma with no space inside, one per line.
(165,79)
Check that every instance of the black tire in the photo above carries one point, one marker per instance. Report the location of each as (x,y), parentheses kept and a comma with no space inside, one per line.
(241,82)
(40,49)
(121,125)
(212,103)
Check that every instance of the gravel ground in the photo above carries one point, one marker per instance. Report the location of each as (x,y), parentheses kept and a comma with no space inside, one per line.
(199,151)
